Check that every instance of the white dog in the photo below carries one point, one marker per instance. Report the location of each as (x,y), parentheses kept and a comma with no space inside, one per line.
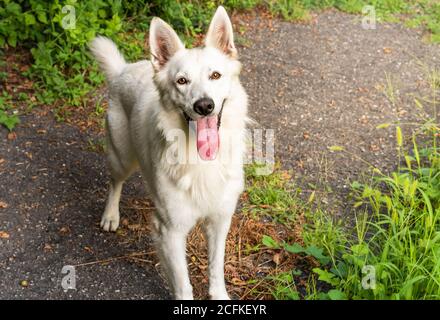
(181,118)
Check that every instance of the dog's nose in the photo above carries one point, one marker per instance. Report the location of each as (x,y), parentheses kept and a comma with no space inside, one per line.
(204,106)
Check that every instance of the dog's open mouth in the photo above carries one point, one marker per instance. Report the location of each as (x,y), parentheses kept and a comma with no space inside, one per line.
(208,138)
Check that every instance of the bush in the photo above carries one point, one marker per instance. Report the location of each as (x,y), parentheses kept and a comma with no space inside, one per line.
(57,34)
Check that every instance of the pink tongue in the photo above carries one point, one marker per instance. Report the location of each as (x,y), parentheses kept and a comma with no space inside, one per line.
(207,138)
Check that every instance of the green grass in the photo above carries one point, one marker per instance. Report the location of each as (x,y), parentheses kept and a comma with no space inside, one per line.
(272,196)
(397,233)
(415,13)
(394,232)
(8,117)
(390,246)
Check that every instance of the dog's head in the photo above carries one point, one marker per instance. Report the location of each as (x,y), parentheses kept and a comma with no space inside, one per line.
(196,82)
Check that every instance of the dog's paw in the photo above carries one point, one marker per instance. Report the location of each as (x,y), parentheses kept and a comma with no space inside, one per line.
(110,222)
(219,295)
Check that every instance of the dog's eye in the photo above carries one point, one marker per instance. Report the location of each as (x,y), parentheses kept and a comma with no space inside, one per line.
(215,76)
(182,81)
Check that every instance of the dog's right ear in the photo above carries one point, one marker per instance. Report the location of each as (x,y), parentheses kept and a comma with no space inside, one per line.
(164,43)
(220,34)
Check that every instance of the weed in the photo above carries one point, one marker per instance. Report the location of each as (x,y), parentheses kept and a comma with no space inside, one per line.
(8,116)
(272,197)
(391,249)
(289,10)
(395,240)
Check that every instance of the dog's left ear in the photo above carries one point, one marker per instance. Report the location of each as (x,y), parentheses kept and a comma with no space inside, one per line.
(164,43)
(220,34)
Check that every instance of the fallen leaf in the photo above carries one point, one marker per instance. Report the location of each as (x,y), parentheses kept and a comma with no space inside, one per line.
(3,205)
(285,175)
(374,148)
(134,227)
(387,50)
(24,283)
(2,160)
(238,282)
(12,136)
(64,230)
(4,235)
(120,232)
(276,258)
(88,249)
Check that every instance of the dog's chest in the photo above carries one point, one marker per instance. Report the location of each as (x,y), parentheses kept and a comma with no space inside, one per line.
(202,179)
(204,185)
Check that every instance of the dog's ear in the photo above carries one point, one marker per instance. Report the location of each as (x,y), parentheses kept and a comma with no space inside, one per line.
(164,43)
(220,34)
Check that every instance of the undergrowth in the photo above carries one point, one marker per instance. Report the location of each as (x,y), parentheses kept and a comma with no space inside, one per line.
(389,248)
(57,32)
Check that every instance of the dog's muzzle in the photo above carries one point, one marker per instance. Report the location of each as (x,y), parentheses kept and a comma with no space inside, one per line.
(219,116)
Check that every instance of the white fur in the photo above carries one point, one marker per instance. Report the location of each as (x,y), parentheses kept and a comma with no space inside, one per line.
(145,110)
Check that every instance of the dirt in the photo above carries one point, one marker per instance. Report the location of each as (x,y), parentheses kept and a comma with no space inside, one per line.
(317,85)
(54,188)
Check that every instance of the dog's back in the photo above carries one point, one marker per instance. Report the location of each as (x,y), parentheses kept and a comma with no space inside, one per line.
(126,81)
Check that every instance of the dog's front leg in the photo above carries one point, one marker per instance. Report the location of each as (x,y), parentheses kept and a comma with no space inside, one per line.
(216,229)
(172,249)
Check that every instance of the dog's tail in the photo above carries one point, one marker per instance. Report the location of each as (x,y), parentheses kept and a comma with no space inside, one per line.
(108,56)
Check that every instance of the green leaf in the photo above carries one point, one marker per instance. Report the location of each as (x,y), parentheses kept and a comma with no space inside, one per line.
(41,16)
(340,270)
(29,19)
(102,14)
(8,121)
(12,39)
(13,8)
(270,242)
(293,295)
(336,148)
(356,185)
(399,137)
(294,248)
(322,296)
(326,276)
(354,259)
(337,295)
(418,104)
(295,272)
(358,204)
(360,249)
(317,254)
(383,125)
